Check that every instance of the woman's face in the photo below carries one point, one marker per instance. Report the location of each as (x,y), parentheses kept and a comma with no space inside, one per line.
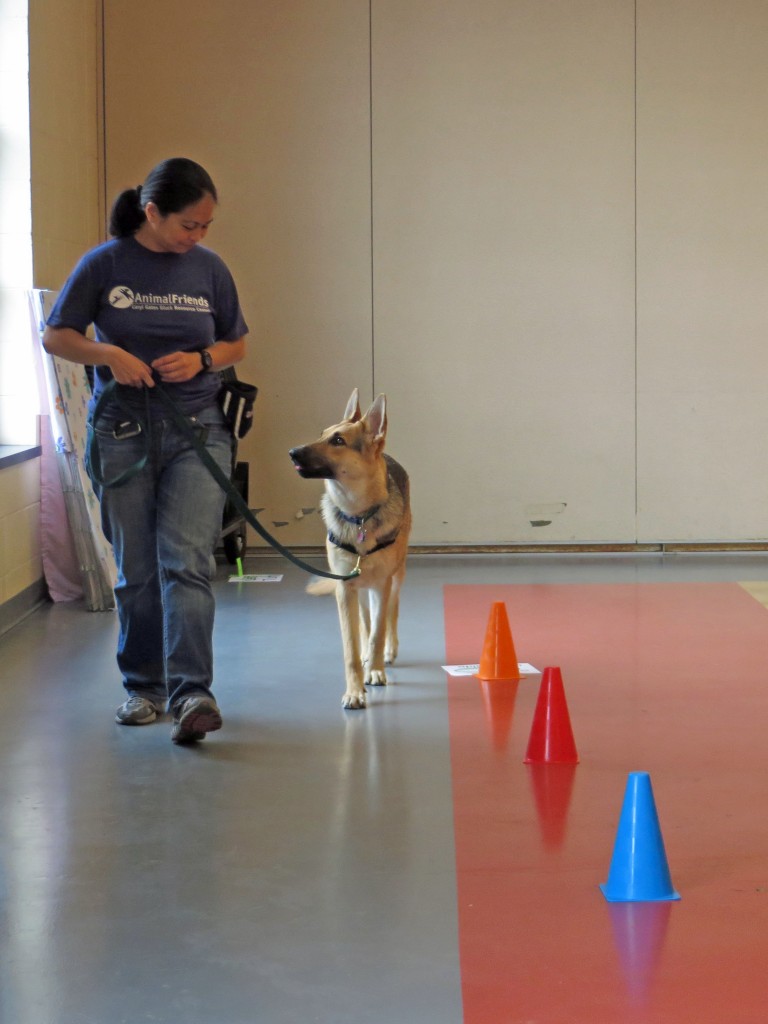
(177,232)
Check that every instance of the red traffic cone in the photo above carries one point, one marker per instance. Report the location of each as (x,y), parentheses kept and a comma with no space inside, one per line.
(551,740)
(498,660)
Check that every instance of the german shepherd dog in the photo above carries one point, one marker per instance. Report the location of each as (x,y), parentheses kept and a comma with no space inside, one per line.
(366,510)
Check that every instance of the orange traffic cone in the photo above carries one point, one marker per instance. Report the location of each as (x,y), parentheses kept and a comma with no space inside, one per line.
(551,740)
(498,660)
(499,698)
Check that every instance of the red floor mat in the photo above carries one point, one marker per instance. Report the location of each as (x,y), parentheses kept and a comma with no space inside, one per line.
(671,679)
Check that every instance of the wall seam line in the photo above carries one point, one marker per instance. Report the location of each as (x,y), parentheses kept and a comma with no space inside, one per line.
(370,185)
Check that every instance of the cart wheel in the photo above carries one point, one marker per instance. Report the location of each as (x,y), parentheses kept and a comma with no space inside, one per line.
(235,543)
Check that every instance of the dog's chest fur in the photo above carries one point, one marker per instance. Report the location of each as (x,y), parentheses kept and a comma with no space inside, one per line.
(374,526)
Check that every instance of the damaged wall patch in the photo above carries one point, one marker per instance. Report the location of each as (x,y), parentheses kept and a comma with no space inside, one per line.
(542,515)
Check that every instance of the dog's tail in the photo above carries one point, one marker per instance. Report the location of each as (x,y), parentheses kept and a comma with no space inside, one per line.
(318,587)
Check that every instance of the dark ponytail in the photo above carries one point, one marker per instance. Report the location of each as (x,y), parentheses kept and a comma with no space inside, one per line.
(127,214)
(171,186)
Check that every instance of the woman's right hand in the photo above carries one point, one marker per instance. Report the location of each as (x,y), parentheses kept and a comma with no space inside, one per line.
(128,369)
(70,344)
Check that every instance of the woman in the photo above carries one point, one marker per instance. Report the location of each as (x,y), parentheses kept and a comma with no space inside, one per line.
(164,309)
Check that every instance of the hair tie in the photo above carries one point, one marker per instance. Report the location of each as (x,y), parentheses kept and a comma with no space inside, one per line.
(138,191)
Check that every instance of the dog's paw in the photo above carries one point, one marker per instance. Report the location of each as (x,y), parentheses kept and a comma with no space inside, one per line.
(391,646)
(354,701)
(377,677)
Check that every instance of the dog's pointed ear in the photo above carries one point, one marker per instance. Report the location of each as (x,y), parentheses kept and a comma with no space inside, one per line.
(376,417)
(352,412)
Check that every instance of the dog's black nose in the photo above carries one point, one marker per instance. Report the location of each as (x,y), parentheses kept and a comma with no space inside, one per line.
(297,458)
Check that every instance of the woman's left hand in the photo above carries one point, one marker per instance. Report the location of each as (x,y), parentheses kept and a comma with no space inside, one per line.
(178,367)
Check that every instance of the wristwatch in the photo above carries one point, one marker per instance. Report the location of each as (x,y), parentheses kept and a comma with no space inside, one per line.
(206,359)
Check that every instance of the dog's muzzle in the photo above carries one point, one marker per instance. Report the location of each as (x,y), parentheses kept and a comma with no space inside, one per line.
(309,466)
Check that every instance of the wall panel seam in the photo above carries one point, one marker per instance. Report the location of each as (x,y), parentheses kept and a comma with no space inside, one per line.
(370,185)
(635,282)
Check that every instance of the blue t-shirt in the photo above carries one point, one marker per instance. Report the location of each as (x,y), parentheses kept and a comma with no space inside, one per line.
(151,304)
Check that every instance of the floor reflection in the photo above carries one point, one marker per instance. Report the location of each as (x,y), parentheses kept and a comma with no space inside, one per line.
(552,786)
(639,931)
(499,698)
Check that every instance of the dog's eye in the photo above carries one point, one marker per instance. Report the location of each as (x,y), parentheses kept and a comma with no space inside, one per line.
(338,441)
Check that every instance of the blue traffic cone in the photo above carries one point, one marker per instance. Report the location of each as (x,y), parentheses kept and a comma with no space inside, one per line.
(639,870)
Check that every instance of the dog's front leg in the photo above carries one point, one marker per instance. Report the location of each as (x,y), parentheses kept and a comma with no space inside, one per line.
(379,601)
(393,610)
(365,628)
(349,620)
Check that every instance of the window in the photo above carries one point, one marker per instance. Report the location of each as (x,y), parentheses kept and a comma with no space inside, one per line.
(18,393)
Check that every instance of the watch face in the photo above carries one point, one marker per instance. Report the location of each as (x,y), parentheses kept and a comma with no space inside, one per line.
(205,355)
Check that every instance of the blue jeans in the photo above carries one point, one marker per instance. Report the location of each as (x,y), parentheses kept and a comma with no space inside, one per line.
(163,525)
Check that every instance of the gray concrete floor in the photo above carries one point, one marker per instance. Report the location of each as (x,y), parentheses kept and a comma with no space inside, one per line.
(298,865)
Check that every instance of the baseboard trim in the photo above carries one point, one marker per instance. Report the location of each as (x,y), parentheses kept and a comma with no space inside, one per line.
(660,547)
(12,612)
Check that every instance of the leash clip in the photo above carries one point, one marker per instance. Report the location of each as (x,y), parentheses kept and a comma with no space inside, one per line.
(125,429)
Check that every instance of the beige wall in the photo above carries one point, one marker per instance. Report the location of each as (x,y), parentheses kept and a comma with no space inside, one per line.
(538,227)
(67,218)
(66,139)
(20,565)
(551,260)
(504,264)
(273,98)
(702,245)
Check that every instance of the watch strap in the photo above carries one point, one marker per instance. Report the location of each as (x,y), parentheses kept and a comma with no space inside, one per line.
(205,358)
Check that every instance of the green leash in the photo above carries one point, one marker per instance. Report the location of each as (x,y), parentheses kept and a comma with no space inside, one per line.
(182,422)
